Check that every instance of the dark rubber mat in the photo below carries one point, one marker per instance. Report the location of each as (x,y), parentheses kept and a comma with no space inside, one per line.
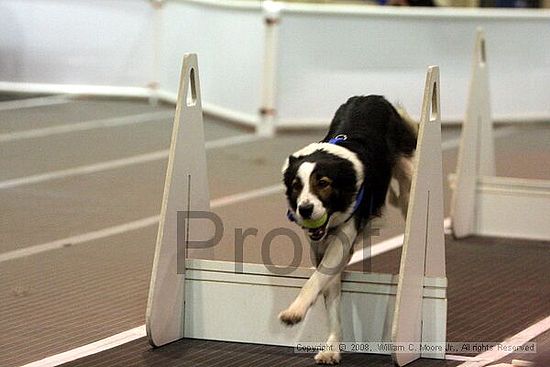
(59,300)
(69,297)
(198,353)
(497,288)
(72,112)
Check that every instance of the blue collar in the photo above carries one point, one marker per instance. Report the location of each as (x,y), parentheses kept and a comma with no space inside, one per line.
(338,138)
(360,194)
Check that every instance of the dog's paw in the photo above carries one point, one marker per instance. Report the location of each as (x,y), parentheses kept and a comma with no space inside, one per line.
(327,357)
(291,316)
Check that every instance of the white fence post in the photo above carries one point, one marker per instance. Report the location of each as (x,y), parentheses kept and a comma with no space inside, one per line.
(272,17)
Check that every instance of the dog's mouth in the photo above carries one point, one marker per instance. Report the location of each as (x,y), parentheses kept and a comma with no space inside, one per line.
(317,234)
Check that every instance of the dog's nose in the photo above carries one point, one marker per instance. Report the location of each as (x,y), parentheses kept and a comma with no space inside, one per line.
(306,210)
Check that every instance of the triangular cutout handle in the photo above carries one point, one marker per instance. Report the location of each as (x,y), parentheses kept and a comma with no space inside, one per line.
(191,88)
(431,105)
(480,50)
(191,91)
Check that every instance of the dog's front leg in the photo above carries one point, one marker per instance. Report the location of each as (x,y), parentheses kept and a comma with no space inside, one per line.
(332,295)
(334,260)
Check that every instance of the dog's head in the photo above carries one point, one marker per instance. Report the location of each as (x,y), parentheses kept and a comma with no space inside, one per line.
(322,181)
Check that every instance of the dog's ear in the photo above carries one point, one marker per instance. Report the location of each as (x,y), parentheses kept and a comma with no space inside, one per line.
(288,162)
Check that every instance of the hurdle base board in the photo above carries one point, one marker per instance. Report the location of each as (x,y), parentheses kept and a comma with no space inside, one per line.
(221,304)
(511,207)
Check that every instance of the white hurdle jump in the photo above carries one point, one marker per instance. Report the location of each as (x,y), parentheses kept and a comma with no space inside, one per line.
(210,300)
(483,203)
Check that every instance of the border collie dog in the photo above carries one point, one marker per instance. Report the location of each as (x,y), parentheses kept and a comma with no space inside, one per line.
(335,187)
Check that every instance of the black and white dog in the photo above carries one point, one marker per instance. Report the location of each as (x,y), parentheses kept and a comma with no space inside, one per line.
(335,187)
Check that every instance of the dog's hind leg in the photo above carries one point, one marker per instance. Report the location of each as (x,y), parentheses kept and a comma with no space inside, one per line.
(332,295)
(402,172)
(333,263)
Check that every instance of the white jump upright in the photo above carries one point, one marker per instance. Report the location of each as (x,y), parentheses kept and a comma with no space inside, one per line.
(218,301)
(482,203)
(423,254)
(185,190)
(478,159)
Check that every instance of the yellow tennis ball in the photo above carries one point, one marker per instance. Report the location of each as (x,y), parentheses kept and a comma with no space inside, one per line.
(315,223)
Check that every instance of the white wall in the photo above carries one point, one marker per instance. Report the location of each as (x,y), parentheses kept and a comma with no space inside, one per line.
(325,58)
(325,53)
(229,44)
(107,42)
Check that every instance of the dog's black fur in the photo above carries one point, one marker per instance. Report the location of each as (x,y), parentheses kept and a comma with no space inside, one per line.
(379,135)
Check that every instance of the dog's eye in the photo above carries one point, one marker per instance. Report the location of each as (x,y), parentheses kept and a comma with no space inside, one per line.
(296,185)
(323,183)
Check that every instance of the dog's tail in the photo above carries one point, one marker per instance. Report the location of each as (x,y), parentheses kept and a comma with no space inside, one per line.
(402,172)
(402,133)
(409,121)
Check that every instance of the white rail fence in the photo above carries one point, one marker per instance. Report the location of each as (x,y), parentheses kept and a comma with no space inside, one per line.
(273,65)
